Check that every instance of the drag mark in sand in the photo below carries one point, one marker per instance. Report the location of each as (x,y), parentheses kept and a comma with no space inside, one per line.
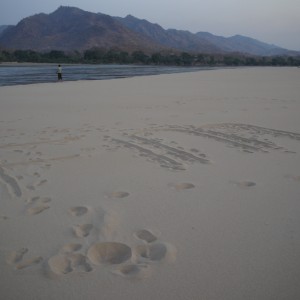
(243,136)
(162,159)
(40,160)
(11,182)
(247,138)
(181,154)
(45,141)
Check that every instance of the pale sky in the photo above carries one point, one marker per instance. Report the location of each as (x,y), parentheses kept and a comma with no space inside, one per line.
(271,21)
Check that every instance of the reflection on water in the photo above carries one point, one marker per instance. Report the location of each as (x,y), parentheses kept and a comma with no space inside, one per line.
(27,74)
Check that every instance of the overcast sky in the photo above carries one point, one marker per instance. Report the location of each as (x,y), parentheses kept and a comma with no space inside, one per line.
(272,21)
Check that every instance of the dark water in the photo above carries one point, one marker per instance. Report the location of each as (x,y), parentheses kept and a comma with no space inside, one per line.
(28,74)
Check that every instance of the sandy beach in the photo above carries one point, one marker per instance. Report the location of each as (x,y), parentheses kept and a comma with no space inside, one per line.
(181,186)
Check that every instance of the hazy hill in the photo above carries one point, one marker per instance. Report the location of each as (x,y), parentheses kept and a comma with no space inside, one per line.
(202,41)
(70,28)
(243,44)
(172,38)
(2,28)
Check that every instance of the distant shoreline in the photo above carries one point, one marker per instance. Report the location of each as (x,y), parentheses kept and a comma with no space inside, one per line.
(28,64)
(32,73)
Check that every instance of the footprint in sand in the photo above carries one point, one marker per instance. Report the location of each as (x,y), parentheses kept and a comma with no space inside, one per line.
(72,262)
(29,262)
(69,261)
(72,247)
(40,183)
(37,209)
(136,271)
(60,264)
(78,211)
(16,256)
(118,195)
(244,184)
(79,262)
(156,252)
(30,187)
(32,200)
(82,230)
(293,177)
(182,186)
(38,199)
(38,205)
(145,235)
(109,253)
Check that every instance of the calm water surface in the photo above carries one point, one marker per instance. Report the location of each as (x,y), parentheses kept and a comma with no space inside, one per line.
(28,74)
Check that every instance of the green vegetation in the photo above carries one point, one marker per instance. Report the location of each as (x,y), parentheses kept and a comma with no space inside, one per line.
(100,56)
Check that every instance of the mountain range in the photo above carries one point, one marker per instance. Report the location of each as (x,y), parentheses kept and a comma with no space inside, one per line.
(70,28)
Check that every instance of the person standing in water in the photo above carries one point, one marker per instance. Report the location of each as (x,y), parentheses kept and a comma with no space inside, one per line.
(59,72)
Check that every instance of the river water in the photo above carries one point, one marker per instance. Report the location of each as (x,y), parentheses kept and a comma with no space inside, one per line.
(18,74)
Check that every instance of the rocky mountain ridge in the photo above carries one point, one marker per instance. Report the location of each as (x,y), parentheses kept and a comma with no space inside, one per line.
(70,28)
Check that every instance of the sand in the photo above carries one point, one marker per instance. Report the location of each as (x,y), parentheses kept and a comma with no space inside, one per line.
(182,186)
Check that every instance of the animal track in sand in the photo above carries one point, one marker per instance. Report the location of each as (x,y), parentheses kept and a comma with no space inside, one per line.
(145,235)
(82,230)
(78,211)
(109,253)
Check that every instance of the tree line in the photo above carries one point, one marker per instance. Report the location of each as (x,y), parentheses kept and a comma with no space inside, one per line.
(100,56)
